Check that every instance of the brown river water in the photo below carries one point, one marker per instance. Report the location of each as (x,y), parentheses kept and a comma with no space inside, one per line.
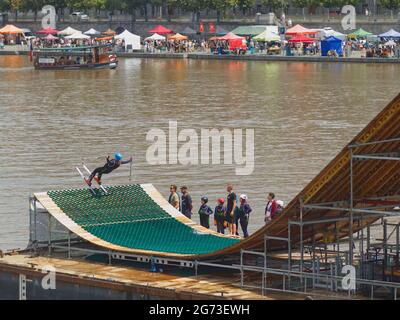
(302,115)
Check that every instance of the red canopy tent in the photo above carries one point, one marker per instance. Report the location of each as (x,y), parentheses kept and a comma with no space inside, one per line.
(302,38)
(160,30)
(234,41)
(48,31)
(299,29)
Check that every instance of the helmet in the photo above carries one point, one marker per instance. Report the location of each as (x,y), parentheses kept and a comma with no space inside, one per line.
(204,199)
(221,200)
(243,196)
(118,156)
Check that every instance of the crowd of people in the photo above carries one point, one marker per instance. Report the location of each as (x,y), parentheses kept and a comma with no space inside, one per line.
(181,46)
(229,212)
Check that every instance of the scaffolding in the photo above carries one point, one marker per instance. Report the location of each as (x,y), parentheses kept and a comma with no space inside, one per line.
(310,266)
(376,265)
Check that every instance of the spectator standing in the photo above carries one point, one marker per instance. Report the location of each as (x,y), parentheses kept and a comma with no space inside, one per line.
(270,208)
(230,209)
(205,212)
(220,215)
(186,202)
(244,214)
(173,197)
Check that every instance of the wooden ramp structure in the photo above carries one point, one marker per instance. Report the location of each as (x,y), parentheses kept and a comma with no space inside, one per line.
(360,185)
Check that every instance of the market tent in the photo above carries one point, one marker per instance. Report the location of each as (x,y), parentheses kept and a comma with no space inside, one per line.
(92,32)
(267,36)
(302,38)
(390,34)
(249,30)
(234,41)
(178,37)
(329,32)
(189,31)
(160,30)
(132,41)
(155,37)
(360,33)
(229,36)
(50,37)
(48,31)
(390,43)
(109,32)
(68,31)
(299,29)
(78,36)
(10,29)
(331,43)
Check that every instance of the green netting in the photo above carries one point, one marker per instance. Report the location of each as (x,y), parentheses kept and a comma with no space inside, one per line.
(129,217)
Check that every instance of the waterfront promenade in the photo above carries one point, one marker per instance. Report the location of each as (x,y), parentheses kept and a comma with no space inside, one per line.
(356,58)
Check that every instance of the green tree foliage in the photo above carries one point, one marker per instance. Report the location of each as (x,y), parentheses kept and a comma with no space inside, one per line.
(4,5)
(390,4)
(275,4)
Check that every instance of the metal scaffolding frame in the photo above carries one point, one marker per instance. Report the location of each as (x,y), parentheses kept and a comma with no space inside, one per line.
(322,269)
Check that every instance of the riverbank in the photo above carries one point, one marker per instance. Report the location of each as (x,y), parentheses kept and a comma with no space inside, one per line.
(254,57)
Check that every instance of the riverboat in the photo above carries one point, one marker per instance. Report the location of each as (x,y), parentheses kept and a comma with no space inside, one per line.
(80,57)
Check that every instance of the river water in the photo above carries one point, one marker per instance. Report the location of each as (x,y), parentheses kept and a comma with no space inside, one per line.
(302,115)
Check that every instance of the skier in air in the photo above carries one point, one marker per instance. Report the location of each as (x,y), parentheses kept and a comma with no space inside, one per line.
(110,166)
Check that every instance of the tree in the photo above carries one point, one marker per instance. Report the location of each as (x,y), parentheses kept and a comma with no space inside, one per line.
(4,5)
(391,5)
(245,5)
(34,5)
(303,4)
(275,4)
(16,5)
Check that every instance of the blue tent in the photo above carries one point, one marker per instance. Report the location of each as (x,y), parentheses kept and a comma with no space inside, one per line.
(331,43)
(390,34)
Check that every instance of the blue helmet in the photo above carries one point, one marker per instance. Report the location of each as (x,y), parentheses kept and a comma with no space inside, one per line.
(118,156)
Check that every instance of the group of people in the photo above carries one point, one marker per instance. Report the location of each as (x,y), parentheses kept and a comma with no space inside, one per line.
(181,46)
(229,213)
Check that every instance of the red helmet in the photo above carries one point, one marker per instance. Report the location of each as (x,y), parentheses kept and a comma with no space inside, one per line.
(221,200)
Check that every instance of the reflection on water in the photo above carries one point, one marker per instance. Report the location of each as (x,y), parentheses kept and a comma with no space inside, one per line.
(302,113)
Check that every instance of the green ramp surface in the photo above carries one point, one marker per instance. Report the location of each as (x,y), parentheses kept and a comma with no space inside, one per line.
(129,217)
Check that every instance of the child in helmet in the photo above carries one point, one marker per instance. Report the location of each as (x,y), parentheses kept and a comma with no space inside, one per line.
(220,215)
(204,212)
(244,214)
(108,167)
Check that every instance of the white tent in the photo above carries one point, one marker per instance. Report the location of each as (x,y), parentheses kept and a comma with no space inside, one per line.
(329,32)
(78,36)
(155,36)
(92,32)
(267,36)
(67,31)
(390,43)
(132,41)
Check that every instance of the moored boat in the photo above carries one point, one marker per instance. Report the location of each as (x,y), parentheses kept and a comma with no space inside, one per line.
(81,57)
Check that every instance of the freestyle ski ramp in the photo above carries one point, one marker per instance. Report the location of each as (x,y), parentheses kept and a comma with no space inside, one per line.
(137,219)
(131,218)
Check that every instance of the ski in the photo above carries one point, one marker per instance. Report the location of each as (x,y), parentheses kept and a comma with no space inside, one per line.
(95,178)
(86,181)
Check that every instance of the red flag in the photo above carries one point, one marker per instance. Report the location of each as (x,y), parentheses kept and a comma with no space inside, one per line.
(211,27)
(201,29)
